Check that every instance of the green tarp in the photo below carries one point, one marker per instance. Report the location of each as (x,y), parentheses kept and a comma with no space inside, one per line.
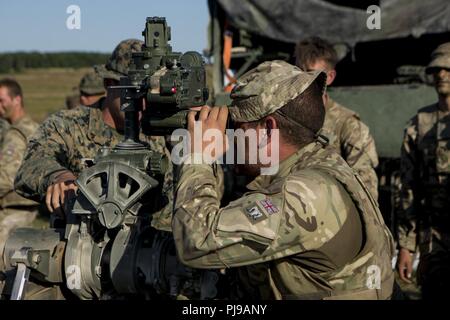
(291,20)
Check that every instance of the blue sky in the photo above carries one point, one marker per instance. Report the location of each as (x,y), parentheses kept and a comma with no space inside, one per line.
(28,25)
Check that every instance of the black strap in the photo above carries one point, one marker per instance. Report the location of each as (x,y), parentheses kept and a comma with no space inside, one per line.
(319,137)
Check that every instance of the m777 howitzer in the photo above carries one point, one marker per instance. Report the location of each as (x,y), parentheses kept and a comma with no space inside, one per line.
(107,248)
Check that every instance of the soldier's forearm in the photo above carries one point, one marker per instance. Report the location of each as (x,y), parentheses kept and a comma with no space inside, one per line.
(197,189)
(407,240)
(33,178)
(407,221)
(196,206)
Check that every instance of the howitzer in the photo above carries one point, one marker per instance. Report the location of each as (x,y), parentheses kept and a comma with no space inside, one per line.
(107,247)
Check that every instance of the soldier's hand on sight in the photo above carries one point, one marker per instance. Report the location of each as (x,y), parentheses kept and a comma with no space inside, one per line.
(404,265)
(61,190)
(213,123)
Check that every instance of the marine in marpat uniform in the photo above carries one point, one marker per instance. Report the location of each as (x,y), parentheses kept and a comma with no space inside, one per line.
(56,154)
(310,230)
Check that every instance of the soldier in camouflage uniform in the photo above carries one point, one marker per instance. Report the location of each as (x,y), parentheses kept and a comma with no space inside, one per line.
(310,231)
(424,221)
(91,89)
(56,153)
(73,99)
(343,127)
(15,211)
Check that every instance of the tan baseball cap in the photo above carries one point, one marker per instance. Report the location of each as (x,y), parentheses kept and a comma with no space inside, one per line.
(268,87)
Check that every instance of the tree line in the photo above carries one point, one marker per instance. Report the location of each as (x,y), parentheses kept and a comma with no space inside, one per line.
(17,61)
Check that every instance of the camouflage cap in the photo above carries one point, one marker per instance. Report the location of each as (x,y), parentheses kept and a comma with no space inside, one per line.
(91,84)
(119,62)
(440,58)
(268,87)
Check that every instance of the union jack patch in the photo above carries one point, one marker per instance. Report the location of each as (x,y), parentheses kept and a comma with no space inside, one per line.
(269,206)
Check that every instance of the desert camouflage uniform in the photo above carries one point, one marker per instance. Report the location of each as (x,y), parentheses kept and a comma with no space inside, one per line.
(64,141)
(3,128)
(15,211)
(353,141)
(424,221)
(311,231)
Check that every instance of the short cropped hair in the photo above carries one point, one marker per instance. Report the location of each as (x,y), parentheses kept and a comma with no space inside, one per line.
(301,118)
(14,88)
(312,49)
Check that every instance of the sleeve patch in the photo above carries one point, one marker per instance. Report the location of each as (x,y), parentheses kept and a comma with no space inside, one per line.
(254,213)
(269,207)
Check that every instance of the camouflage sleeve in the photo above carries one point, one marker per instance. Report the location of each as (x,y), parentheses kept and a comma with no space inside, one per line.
(255,228)
(408,165)
(3,128)
(47,153)
(358,149)
(162,219)
(11,155)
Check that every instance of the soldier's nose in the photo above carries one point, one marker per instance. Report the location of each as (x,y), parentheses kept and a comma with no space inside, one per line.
(442,74)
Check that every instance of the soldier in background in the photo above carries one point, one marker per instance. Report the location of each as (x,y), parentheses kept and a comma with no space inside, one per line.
(73,99)
(90,90)
(15,211)
(343,127)
(308,231)
(424,219)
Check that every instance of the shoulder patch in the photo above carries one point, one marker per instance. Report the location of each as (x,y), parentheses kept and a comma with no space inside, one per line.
(254,213)
(268,206)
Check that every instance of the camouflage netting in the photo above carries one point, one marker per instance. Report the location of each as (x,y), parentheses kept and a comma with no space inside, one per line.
(290,20)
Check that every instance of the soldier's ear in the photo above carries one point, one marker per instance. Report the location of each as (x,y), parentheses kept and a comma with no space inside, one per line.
(271,124)
(18,100)
(331,75)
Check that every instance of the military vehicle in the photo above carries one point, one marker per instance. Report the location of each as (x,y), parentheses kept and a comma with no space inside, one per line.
(381,71)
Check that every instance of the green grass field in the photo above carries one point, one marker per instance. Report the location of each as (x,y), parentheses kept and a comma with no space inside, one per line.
(45,90)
